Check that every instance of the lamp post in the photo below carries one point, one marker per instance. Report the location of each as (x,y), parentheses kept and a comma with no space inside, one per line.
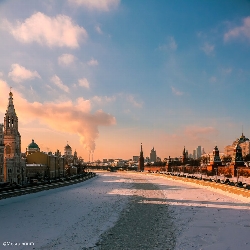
(237,175)
(216,171)
(22,175)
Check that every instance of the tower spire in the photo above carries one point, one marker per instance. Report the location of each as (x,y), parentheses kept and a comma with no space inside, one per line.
(141,153)
(141,161)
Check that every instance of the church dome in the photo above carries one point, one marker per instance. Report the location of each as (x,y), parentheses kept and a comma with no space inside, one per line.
(67,146)
(33,145)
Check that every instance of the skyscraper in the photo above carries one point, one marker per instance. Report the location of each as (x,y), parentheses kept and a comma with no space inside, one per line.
(198,152)
(194,154)
(153,155)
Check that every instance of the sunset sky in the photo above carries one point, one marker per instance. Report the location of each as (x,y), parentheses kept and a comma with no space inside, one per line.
(108,75)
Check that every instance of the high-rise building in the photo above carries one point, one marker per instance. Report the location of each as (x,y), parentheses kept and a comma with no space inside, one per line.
(198,152)
(194,154)
(14,165)
(203,151)
(153,155)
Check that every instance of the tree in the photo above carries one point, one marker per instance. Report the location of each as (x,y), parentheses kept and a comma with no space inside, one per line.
(226,159)
(247,157)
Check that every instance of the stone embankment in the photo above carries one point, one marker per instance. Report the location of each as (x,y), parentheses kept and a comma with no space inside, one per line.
(41,187)
(211,184)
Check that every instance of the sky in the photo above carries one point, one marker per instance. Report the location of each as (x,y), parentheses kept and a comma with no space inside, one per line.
(108,75)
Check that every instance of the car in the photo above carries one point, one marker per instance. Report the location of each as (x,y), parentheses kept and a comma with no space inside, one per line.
(239,184)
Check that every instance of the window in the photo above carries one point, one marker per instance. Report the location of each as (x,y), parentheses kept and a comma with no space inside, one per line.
(8,150)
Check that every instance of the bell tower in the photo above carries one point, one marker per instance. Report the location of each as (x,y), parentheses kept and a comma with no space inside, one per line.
(12,138)
(12,141)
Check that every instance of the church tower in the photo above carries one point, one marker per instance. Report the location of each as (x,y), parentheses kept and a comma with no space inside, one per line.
(216,157)
(12,138)
(237,158)
(12,144)
(141,161)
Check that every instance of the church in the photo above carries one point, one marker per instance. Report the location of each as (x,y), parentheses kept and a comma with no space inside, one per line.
(19,168)
(11,162)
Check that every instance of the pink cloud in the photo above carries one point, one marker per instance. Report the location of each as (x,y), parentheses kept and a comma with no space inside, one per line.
(66,59)
(103,5)
(19,73)
(195,132)
(93,62)
(131,99)
(70,117)
(57,81)
(240,31)
(59,31)
(208,48)
(176,92)
(83,83)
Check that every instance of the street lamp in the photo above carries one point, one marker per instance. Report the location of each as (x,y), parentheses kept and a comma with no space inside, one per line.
(237,175)
(22,175)
(216,171)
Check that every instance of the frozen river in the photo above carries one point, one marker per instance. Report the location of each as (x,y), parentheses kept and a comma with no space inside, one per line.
(125,211)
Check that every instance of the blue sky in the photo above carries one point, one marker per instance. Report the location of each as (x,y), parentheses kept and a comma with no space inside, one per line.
(108,75)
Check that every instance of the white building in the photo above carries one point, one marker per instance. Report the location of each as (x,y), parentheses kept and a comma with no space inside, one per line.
(244,144)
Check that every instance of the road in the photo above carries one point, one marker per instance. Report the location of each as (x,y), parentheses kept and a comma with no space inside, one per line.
(125,211)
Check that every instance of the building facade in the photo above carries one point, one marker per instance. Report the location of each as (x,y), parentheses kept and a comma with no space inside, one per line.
(244,143)
(45,165)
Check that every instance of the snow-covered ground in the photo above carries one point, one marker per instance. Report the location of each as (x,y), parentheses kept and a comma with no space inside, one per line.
(74,217)
(207,219)
(69,217)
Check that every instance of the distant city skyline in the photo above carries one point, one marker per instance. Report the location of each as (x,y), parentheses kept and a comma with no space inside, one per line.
(109,75)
